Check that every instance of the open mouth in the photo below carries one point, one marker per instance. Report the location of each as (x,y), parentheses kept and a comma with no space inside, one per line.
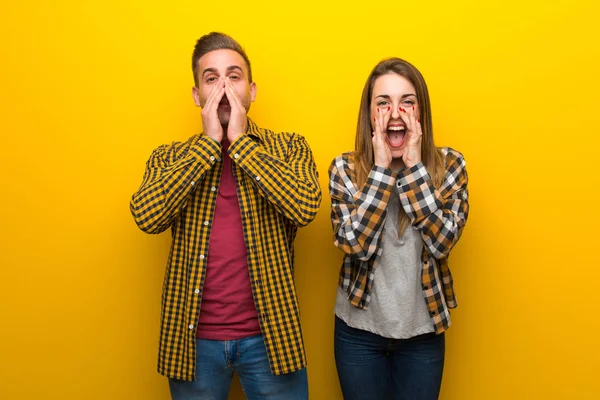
(396,136)
(224,103)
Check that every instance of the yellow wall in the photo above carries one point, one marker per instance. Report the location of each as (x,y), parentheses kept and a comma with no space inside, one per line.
(89,88)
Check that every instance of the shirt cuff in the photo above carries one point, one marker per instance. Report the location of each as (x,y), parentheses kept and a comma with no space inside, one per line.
(242,149)
(206,149)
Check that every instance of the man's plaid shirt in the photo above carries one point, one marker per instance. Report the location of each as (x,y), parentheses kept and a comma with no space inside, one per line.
(278,191)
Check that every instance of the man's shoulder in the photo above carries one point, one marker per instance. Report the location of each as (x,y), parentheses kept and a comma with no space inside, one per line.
(282,139)
(178,145)
(271,135)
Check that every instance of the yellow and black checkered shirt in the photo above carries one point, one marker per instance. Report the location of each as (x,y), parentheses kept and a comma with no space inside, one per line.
(278,191)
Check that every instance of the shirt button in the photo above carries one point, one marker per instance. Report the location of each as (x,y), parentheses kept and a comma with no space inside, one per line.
(213,188)
(191,326)
(197,291)
(258,178)
(193,183)
(202,256)
(212,158)
(236,155)
(206,223)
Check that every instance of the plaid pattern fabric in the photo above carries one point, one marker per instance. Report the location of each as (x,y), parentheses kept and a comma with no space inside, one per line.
(278,191)
(358,218)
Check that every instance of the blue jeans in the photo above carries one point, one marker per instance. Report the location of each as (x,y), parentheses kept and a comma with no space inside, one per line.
(216,361)
(371,367)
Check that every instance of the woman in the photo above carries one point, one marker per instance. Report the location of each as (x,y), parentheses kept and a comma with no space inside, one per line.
(398,206)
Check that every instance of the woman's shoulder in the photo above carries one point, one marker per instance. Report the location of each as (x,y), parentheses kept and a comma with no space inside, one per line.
(455,167)
(452,157)
(342,166)
(344,161)
(450,152)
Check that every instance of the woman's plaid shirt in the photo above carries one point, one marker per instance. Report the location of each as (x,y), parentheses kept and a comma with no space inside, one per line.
(278,191)
(358,218)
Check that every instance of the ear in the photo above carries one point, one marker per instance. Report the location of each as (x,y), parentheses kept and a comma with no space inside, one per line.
(196,96)
(252,92)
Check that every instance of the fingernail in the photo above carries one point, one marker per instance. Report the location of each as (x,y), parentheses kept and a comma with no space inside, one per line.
(389,108)
(419,120)
(374,119)
(377,109)
(413,108)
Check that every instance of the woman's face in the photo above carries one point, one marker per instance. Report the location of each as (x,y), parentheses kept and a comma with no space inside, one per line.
(394,91)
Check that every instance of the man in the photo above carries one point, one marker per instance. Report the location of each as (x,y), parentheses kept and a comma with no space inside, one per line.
(234,197)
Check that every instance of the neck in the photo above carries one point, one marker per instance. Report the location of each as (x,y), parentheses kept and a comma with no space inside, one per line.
(225,143)
(397,164)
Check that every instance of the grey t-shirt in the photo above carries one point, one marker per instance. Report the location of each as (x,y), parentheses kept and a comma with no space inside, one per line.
(397,308)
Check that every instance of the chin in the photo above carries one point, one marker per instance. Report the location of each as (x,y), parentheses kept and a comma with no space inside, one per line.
(224,119)
(397,153)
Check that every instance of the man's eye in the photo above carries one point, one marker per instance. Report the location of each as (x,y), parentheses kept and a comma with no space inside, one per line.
(234,77)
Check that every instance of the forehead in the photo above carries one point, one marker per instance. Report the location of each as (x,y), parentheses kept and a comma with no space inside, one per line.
(392,84)
(221,60)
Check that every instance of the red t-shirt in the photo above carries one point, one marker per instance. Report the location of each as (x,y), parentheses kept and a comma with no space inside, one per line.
(227,311)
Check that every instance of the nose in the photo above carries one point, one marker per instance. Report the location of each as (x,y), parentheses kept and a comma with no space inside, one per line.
(395,113)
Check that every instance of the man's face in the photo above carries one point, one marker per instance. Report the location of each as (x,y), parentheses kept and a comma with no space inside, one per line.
(230,65)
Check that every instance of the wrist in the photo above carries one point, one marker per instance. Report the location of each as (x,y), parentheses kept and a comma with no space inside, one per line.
(233,136)
(216,137)
(412,163)
(384,165)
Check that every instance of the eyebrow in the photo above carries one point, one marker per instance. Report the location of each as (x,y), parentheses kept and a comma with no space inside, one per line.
(385,96)
(229,69)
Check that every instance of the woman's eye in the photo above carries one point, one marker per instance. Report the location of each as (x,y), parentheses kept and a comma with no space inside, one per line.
(382,103)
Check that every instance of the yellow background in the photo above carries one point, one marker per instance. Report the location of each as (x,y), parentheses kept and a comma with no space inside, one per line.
(89,88)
